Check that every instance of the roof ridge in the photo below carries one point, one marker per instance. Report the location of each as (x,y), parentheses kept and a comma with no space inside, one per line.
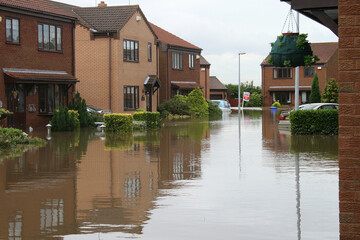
(118,6)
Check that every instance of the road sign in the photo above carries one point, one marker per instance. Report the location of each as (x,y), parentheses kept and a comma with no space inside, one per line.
(246,96)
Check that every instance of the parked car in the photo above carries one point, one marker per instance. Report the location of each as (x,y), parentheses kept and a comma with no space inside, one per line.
(224,105)
(91,108)
(284,115)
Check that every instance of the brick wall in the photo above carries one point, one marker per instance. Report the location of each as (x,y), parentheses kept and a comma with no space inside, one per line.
(27,56)
(205,81)
(349,118)
(92,65)
(323,74)
(168,74)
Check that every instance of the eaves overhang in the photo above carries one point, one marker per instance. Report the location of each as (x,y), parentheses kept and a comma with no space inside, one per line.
(324,12)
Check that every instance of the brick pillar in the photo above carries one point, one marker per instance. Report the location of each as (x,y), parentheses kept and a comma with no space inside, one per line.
(349,118)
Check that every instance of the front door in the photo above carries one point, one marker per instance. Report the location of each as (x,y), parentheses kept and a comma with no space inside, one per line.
(16,104)
(148,100)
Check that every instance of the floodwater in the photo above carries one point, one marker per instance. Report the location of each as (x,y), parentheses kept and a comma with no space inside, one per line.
(189,180)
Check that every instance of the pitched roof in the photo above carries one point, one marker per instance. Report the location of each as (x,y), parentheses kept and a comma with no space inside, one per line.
(215,84)
(169,38)
(39,6)
(324,51)
(106,19)
(203,61)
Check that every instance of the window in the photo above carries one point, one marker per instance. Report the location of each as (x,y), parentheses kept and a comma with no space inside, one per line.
(149,52)
(282,72)
(49,37)
(50,98)
(308,71)
(131,97)
(12,30)
(177,60)
(131,51)
(191,60)
(282,97)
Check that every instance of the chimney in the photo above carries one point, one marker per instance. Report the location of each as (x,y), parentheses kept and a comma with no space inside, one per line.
(102,4)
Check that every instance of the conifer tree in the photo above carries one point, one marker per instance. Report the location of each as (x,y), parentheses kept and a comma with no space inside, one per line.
(315,96)
(331,92)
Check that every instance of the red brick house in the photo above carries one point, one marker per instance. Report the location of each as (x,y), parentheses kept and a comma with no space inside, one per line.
(37,63)
(205,77)
(179,64)
(217,89)
(278,84)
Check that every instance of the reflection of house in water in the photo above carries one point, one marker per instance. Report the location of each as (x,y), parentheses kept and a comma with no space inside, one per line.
(116,187)
(180,151)
(37,193)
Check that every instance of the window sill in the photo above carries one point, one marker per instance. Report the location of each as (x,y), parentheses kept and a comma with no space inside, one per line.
(49,51)
(130,109)
(14,43)
(129,61)
(177,69)
(46,114)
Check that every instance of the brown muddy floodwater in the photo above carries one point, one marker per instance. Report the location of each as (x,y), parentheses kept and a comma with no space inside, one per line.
(189,180)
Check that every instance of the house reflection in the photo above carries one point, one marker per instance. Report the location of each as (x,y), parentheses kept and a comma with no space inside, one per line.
(117,185)
(37,194)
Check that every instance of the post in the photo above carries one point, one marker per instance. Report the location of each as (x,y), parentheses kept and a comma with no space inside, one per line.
(239,88)
(297,72)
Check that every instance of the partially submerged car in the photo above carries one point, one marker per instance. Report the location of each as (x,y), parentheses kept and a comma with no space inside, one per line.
(224,105)
(91,108)
(284,115)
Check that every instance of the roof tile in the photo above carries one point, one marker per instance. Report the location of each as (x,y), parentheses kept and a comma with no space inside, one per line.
(169,38)
(215,84)
(42,6)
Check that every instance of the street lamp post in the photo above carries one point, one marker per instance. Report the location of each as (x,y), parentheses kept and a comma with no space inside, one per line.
(240,53)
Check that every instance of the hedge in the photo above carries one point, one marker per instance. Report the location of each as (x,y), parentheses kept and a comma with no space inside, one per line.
(118,122)
(152,119)
(309,122)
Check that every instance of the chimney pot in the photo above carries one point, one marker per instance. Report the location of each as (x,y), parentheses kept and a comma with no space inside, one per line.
(102,4)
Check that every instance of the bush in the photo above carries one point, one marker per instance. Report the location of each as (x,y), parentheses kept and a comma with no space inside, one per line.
(152,119)
(276,104)
(118,122)
(315,96)
(308,122)
(255,100)
(178,105)
(10,138)
(331,92)
(65,120)
(95,117)
(214,110)
(80,106)
(197,103)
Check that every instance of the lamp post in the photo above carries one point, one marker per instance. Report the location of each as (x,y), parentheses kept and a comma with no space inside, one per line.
(240,53)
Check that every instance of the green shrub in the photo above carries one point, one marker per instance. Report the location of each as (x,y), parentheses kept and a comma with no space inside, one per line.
(4,113)
(214,110)
(65,120)
(95,117)
(255,100)
(331,92)
(197,103)
(178,105)
(152,119)
(80,106)
(11,138)
(309,122)
(276,104)
(118,122)
(315,96)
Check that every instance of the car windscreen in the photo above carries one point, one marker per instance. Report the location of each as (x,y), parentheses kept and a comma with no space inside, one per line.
(306,107)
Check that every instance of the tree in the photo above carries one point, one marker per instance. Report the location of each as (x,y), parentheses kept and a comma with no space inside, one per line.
(331,92)
(244,87)
(255,100)
(80,106)
(315,96)
(197,103)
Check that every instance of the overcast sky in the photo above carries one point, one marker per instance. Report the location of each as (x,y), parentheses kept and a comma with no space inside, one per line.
(223,29)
